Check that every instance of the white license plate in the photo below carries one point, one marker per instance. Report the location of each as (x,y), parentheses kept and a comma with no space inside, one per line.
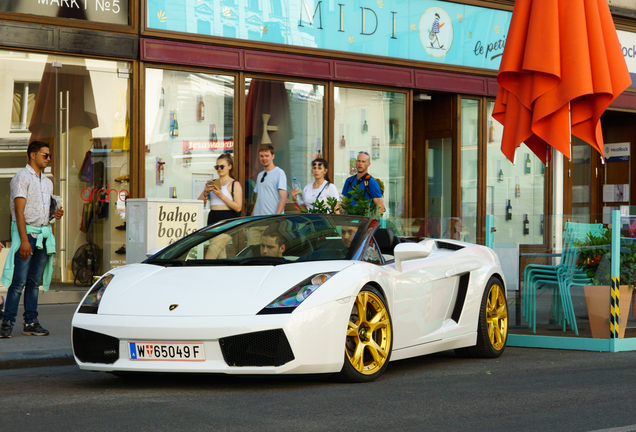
(176,351)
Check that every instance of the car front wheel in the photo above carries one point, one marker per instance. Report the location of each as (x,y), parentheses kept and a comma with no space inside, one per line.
(369,338)
(492,329)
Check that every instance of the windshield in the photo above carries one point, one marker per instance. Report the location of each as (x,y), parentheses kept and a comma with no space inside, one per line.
(269,240)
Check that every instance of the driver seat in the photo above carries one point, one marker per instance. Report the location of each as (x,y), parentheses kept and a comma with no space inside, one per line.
(386,240)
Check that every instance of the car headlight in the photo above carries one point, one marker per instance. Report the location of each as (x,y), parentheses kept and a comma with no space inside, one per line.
(94,296)
(289,301)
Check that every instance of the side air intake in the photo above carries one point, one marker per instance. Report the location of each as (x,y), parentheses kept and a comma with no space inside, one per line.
(461,297)
(449,246)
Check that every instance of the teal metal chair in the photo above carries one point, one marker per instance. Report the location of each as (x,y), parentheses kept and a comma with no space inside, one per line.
(571,275)
(559,277)
(539,275)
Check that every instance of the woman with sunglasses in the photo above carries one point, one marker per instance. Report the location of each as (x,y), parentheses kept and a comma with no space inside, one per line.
(320,189)
(226,202)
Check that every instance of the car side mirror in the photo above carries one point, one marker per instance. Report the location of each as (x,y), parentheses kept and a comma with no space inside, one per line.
(409,251)
(154,251)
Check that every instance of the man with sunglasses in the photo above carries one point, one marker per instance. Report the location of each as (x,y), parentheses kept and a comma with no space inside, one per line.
(363,179)
(271,185)
(30,259)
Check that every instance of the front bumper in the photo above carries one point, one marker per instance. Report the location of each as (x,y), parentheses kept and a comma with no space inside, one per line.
(315,337)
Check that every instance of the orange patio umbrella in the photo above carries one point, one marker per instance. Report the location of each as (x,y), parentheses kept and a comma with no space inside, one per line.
(562,66)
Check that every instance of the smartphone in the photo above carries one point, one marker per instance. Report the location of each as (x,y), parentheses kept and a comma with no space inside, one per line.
(217,183)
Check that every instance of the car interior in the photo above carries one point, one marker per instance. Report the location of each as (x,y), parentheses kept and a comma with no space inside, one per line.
(387,241)
(328,248)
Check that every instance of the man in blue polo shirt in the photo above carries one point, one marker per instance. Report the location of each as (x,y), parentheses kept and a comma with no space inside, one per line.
(368,184)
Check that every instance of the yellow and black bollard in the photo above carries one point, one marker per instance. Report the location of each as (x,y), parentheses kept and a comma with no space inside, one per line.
(614,307)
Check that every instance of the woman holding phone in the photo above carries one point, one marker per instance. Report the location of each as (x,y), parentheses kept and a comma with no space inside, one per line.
(320,189)
(225,193)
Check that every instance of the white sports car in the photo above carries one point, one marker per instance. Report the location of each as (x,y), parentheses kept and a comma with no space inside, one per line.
(293,294)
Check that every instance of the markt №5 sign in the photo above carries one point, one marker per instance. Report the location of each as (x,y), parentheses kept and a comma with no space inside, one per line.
(105,11)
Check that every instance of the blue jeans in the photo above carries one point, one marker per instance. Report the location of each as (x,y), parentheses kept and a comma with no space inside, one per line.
(26,274)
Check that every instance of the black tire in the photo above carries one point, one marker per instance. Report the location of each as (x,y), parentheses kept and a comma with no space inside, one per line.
(367,339)
(492,328)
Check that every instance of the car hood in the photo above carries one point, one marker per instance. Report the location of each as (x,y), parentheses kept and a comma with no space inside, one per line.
(150,290)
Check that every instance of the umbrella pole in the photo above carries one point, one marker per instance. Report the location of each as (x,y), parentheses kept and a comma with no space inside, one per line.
(570,124)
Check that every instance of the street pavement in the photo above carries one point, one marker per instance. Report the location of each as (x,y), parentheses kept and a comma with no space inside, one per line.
(525,389)
(23,351)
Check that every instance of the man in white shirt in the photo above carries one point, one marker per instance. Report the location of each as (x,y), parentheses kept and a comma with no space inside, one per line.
(32,241)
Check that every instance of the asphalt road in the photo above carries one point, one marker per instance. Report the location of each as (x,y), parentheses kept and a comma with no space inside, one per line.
(524,390)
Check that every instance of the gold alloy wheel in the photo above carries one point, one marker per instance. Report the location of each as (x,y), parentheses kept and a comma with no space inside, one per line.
(497,317)
(369,334)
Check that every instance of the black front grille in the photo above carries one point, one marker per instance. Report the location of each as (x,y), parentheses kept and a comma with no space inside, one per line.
(265,348)
(449,246)
(93,347)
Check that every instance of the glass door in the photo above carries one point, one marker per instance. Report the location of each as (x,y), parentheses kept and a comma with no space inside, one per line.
(440,180)
(80,107)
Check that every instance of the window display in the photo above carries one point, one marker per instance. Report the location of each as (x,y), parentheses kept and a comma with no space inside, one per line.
(372,122)
(515,193)
(81,108)
(289,117)
(189,124)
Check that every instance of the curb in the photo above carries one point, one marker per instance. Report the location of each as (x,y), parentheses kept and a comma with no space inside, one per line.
(41,358)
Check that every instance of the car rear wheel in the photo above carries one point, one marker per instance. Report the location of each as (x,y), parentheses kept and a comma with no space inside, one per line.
(369,338)
(492,329)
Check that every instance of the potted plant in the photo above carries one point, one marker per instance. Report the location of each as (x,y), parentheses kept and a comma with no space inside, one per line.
(595,260)
(354,204)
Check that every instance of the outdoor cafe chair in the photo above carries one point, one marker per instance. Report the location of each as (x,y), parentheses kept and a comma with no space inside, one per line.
(537,276)
(571,275)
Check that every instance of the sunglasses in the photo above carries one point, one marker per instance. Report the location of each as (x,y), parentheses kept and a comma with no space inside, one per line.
(46,155)
(264,175)
(363,152)
(316,165)
(219,167)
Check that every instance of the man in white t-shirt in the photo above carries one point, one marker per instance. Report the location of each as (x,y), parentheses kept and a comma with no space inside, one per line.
(271,185)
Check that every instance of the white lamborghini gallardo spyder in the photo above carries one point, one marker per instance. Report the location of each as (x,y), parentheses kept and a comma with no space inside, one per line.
(293,294)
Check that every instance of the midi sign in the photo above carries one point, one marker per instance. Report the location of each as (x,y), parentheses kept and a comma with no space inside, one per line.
(104,11)
(426,30)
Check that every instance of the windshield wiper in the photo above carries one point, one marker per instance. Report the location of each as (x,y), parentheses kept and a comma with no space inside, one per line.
(263,260)
(166,262)
(211,262)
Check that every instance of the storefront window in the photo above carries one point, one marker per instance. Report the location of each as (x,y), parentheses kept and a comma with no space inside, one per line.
(467,224)
(372,121)
(81,108)
(289,117)
(515,193)
(189,124)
